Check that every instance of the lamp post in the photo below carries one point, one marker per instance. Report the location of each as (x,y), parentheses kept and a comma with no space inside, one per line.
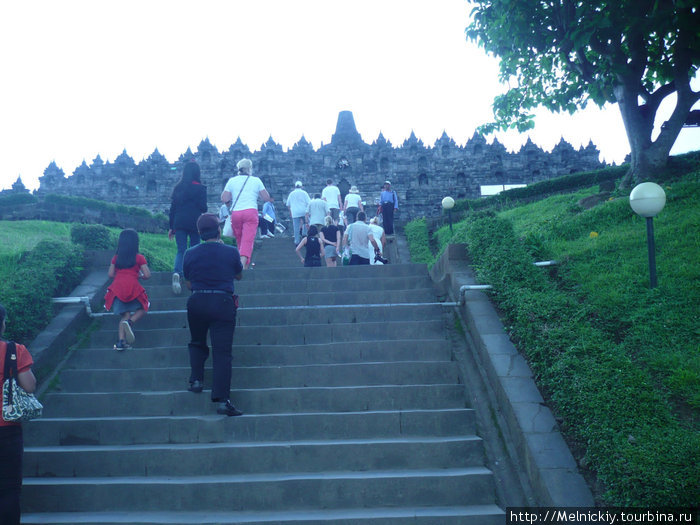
(647,200)
(447,204)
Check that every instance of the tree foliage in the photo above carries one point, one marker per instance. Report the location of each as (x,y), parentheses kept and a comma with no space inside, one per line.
(565,54)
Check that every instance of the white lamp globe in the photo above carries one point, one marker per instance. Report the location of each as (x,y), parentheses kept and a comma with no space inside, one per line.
(448,203)
(647,199)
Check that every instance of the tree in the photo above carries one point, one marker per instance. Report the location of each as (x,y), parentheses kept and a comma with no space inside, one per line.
(564,54)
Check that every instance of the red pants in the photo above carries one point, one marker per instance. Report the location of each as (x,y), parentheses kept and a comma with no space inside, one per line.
(245,225)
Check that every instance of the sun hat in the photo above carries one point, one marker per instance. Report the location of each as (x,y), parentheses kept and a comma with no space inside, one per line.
(354,189)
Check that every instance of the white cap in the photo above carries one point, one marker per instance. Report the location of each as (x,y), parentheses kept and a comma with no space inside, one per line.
(298,184)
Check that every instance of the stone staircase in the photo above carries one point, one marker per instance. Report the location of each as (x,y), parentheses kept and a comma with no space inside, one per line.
(354,412)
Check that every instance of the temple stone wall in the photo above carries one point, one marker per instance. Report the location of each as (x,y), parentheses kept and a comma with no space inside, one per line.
(421,175)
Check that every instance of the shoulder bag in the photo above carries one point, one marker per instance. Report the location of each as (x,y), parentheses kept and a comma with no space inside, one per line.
(17,403)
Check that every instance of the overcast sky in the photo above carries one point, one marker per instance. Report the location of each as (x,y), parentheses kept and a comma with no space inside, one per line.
(82,78)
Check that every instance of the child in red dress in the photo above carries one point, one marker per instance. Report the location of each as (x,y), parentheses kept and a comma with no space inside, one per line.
(125,294)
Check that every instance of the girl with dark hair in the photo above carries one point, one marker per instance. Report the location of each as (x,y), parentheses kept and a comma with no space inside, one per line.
(126,294)
(187,203)
(11,441)
(313,248)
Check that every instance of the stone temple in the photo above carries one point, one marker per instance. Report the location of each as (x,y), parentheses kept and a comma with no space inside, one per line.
(421,175)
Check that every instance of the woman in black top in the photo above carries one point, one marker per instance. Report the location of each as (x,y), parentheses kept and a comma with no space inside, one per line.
(330,242)
(188,202)
(313,248)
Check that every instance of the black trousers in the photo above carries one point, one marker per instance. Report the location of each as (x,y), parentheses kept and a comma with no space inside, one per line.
(11,450)
(388,217)
(266,226)
(215,314)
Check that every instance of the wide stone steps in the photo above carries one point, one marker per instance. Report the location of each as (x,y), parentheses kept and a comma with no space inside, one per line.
(293,335)
(129,430)
(300,490)
(257,401)
(386,350)
(354,413)
(430,515)
(260,377)
(253,457)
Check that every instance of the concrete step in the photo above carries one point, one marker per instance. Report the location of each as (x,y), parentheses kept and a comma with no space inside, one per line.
(299,273)
(261,355)
(133,430)
(284,335)
(270,491)
(328,375)
(168,301)
(238,457)
(291,316)
(429,515)
(296,288)
(256,401)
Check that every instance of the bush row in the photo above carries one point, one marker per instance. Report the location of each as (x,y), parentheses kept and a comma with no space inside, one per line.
(49,270)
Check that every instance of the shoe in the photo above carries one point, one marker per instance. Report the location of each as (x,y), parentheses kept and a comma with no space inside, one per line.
(270,235)
(121,346)
(177,288)
(227,409)
(128,332)
(196,387)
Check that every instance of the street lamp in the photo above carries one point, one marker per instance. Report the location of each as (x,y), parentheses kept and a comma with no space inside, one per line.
(447,204)
(647,200)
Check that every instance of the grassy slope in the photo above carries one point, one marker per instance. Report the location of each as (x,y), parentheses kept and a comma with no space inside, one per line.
(641,345)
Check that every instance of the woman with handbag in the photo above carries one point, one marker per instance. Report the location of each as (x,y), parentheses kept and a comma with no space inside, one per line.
(187,203)
(11,443)
(244,190)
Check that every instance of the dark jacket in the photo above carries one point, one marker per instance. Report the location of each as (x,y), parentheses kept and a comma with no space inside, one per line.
(188,203)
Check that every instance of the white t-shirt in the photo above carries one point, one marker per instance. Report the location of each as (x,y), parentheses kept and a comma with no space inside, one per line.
(330,194)
(317,210)
(353,200)
(297,202)
(358,234)
(249,196)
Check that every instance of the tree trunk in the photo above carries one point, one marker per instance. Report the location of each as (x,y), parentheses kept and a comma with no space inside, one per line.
(649,158)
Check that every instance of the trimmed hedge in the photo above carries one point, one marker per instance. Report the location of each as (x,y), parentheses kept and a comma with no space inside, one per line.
(51,269)
(92,236)
(83,202)
(16,199)
(419,241)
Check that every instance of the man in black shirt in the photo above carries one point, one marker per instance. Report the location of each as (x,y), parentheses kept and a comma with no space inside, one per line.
(209,270)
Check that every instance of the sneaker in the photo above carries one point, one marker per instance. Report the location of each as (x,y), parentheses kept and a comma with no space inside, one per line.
(227,409)
(177,288)
(270,235)
(121,346)
(196,387)
(128,332)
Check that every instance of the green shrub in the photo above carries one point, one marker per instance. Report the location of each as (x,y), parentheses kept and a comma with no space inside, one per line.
(51,269)
(15,199)
(607,399)
(419,241)
(94,204)
(92,236)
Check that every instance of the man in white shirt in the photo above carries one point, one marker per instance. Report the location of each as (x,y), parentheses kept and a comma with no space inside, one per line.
(360,238)
(331,194)
(317,211)
(298,202)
